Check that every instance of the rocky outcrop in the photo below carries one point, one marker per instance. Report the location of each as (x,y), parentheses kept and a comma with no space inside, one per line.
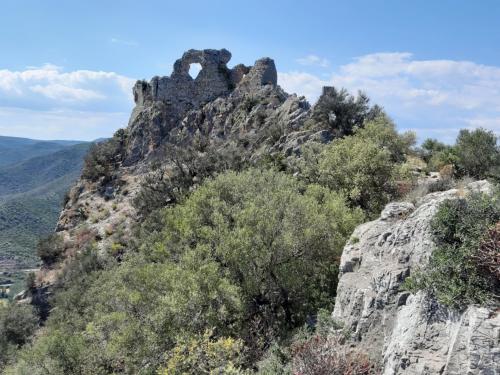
(217,103)
(406,333)
(241,106)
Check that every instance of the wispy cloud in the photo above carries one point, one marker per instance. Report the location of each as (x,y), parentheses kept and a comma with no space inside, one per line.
(445,94)
(313,60)
(124,42)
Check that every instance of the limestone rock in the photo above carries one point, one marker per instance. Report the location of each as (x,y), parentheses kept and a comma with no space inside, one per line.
(164,103)
(410,334)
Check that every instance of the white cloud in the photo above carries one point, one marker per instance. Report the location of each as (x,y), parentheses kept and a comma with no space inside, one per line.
(302,83)
(313,60)
(58,91)
(48,102)
(446,94)
(49,87)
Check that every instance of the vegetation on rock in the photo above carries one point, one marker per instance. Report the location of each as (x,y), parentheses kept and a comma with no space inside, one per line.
(247,199)
(462,269)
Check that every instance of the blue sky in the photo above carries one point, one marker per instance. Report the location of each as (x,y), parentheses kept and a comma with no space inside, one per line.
(67,67)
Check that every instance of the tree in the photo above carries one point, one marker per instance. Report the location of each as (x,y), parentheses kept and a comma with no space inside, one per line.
(276,239)
(341,112)
(430,147)
(17,325)
(50,248)
(104,157)
(478,153)
(362,166)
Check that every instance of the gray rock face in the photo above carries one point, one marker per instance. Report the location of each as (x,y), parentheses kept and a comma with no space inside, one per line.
(163,103)
(410,334)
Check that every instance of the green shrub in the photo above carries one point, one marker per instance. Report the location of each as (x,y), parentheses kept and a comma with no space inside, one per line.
(478,154)
(205,356)
(278,241)
(17,323)
(363,167)
(341,112)
(103,158)
(50,248)
(454,275)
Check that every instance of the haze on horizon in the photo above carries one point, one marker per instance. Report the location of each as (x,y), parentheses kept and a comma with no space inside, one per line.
(68,69)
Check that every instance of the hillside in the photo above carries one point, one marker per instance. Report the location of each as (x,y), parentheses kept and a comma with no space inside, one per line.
(14,150)
(31,194)
(233,228)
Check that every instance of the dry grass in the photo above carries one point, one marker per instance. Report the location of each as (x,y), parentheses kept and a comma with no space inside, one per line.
(322,355)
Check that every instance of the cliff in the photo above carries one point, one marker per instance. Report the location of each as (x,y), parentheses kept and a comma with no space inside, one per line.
(407,333)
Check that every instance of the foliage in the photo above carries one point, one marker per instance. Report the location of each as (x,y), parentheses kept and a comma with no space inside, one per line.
(50,248)
(247,256)
(104,158)
(363,166)
(341,112)
(319,348)
(488,254)
(278,240)
(182,169)
(17,324)
(432,147)
(478,154)
(205,355)
(455,274)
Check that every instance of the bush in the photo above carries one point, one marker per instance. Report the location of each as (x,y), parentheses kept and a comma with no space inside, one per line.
(363,166)
(17,323)
(205,355)
(477,153)
(341,112)
(488,255)
(103,158)
(182,169)
(456,273)
(276,239)
(50,248)
(431,147)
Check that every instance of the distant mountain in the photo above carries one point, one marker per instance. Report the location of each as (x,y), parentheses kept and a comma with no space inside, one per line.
(38,171)
(31,194)
(14,149)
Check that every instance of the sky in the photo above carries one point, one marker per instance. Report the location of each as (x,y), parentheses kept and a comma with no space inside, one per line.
(67,67)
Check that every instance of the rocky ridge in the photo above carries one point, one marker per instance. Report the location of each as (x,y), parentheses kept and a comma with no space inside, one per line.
(406,333)
(243,105)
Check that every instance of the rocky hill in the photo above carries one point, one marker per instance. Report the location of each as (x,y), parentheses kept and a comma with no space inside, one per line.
(410,333)
(207,235)
(31,196)
(240,112)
